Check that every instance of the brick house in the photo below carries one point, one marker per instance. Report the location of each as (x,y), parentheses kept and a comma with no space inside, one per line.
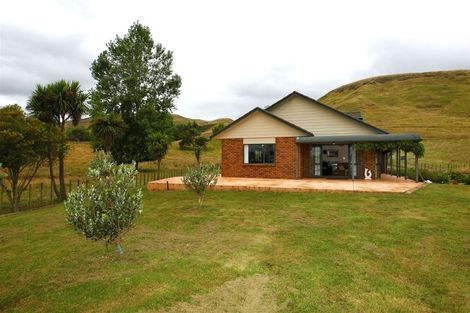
(299,137)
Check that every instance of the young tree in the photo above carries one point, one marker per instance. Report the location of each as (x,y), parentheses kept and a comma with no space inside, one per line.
(198,144)
(217,128)
(186,134)
(157,146)
(135,74)
(106,128)
(56,104)
(110,206)
(199,178)
(23,148)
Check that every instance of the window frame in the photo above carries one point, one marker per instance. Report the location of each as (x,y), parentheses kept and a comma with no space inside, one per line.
(246,154)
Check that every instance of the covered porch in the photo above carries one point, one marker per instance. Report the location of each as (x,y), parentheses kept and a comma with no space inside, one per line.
(357,156)
(387,184)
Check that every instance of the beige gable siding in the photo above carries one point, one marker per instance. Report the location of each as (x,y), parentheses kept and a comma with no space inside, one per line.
(317,119)
(259,125)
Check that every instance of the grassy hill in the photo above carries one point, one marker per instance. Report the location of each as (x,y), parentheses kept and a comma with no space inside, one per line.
(435,105)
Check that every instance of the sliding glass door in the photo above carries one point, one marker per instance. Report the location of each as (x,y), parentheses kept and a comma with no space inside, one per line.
(315,161)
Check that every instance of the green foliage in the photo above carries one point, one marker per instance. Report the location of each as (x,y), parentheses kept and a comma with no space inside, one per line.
(110,206)
(23,148)
(157,147)
(135,79)
(217,128)
(466,179)
(199,178)
(186,133)
(55,104)
(78,133)
(417,148)
(198,144)
(106,128)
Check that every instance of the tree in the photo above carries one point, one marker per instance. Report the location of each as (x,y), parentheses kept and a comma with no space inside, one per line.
(106,128)
(135,75)
(186,133)
(55,104)
(200,178)
(198,144)
(217,128)
(110,206)
(157,146)
(23,148)
(78,134)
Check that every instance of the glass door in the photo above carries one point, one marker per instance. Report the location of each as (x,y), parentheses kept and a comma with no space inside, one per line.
(315,161)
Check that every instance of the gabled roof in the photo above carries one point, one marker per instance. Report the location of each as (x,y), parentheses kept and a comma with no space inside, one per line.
(257,109)
(315,102)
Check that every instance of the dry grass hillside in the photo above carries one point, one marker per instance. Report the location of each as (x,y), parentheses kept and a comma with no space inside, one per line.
(435,105)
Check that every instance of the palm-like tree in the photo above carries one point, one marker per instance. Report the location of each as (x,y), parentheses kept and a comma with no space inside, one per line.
(55,104)
(106,128)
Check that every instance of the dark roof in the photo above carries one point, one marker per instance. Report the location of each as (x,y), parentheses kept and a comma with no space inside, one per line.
(356,115)
(267,113)
(296,93)
(359,138)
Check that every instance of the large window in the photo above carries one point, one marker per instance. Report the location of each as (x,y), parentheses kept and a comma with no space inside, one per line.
(259,153)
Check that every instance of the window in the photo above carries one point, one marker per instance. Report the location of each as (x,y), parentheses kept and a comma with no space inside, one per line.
(259,153)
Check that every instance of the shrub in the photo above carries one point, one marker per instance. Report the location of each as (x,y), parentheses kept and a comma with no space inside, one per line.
(110,206)
(78,134)
(199,178)
(457,177)
(466,180)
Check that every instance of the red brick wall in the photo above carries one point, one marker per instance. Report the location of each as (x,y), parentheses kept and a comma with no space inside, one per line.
(284,167)
(370,161)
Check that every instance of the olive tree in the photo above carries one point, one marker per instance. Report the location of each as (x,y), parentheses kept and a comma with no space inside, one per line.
(110,206)
(199,178)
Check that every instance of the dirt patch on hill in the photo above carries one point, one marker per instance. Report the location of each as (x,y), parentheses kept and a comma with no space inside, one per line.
(243,295)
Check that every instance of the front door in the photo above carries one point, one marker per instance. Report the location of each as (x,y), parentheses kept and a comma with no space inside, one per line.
(315,161)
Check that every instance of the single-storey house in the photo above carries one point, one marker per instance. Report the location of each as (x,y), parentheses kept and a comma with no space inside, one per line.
(299,137)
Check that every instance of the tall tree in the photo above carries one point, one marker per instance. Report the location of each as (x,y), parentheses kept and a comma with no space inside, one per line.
(135,79)
(23,148)
(55,104)
(107,128)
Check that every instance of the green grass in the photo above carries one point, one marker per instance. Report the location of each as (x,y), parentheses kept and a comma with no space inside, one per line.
(435,105)
(319,252)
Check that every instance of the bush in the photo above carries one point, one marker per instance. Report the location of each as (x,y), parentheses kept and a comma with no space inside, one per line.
(78,134)
(437,177)
(110,206)
(466,180)
(198,179)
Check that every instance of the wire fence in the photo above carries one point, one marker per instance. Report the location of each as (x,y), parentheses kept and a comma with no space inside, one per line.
(42,194)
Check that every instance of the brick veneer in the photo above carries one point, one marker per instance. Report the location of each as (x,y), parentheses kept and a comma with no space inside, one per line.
(284,167)
(370,161)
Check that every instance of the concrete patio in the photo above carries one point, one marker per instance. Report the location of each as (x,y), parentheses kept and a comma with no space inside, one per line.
(385,184)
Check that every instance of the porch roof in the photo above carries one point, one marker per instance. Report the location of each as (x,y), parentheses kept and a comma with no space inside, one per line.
(359,138)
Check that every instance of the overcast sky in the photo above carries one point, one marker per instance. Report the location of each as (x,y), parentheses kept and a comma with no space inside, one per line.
(233,56)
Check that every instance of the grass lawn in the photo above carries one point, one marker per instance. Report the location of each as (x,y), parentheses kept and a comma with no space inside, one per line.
(250,252)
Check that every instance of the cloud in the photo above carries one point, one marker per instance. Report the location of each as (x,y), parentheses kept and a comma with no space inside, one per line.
(402,56)
(28,58)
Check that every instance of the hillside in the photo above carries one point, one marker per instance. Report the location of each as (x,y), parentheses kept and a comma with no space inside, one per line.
(178,119)
(435,105)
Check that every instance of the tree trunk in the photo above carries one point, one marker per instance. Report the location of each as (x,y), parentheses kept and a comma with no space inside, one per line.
(52,177)
(63,193)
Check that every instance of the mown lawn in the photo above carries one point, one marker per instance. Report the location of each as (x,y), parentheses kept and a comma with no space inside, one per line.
(250,252)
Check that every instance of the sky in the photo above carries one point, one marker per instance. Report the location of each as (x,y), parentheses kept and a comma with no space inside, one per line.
(235,55)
